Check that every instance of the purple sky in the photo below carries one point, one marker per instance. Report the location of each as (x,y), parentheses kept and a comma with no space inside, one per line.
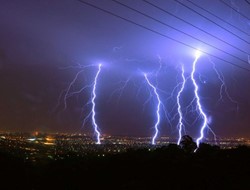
(39,38)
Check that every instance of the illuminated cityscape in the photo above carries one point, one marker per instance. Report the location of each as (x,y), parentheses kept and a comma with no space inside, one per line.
(39,146)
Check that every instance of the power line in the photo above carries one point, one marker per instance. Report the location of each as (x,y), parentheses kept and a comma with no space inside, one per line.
(163,35)
(189,23)
(247,2)
(218,17)
(137,11)
(210,20)
(235,10)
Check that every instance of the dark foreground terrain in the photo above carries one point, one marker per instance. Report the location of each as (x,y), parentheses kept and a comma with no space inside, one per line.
(168,167)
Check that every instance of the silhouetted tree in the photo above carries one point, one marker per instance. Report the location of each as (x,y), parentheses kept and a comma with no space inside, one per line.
(207,150)
(187,144)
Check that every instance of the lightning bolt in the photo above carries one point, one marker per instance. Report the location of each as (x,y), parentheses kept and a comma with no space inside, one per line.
(71,91)
(97,132)
(199,106)
(223,86)
(120,90)
(157,109)
(180,123)
(66,93)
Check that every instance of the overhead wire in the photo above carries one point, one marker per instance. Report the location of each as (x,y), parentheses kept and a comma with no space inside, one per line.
(161,34)
(174,28)
(247,2)
(189,23)
(231,7)
(191,9)
(221,19)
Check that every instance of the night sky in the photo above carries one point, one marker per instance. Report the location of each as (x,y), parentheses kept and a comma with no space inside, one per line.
(41,42)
